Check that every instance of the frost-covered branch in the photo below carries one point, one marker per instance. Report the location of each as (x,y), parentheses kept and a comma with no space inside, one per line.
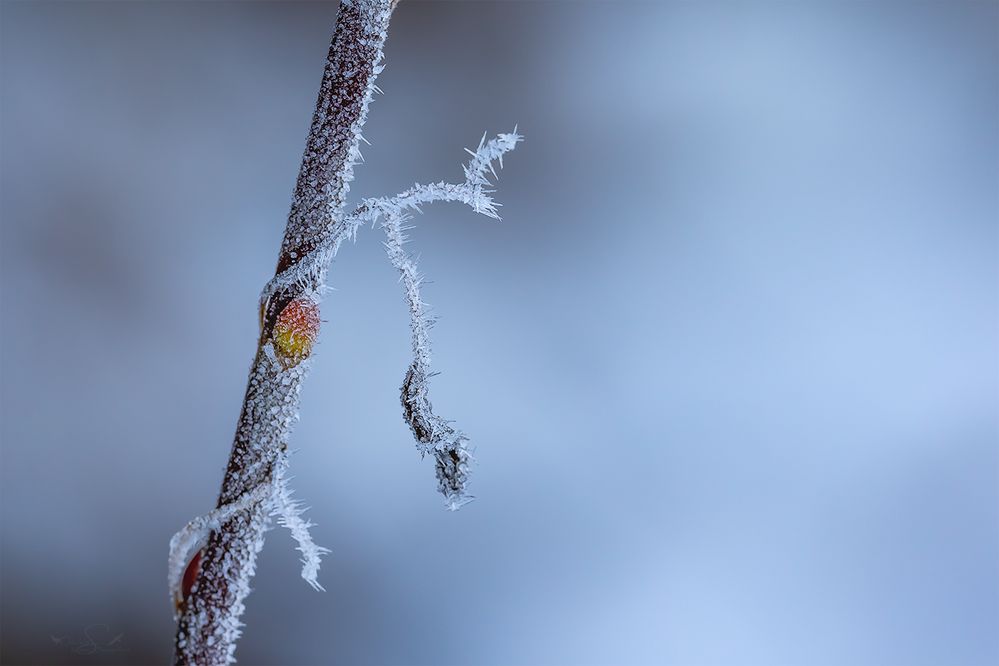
(275,494)
(183,543)
(474,191)
(289,514)
(209,617)
(433,433)
(210,591)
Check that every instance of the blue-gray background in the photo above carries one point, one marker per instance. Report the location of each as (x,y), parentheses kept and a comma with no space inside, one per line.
(730,360)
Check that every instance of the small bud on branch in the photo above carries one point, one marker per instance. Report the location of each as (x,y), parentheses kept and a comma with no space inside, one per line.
(295,331)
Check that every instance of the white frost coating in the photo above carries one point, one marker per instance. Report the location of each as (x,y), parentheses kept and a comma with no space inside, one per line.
(289,513)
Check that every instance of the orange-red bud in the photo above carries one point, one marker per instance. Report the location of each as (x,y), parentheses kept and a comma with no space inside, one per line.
(295,331)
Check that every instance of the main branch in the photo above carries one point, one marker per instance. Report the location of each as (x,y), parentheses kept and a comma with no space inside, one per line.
(209,614)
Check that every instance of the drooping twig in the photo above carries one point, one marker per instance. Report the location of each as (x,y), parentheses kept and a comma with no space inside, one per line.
(433,433)
(255,487)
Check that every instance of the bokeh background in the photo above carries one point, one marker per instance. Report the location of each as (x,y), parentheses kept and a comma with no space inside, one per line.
(730,360)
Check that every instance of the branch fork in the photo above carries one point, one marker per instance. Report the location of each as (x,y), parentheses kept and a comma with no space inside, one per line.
(255,488)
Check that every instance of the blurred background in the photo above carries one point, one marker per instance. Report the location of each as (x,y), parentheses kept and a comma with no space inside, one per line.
(730,361)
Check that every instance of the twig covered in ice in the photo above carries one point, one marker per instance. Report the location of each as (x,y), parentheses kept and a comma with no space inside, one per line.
(255,488)
(274,493)
(289,513)
(183,543)
(473,191)
(433,433)
(209,623)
